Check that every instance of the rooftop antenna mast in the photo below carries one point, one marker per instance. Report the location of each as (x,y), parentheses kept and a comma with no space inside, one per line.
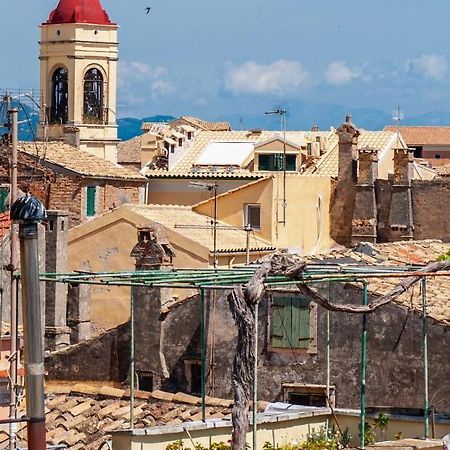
(282,113)
(398,117)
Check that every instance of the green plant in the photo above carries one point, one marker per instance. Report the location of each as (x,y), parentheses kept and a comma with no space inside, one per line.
(381,422)
(269,446)
(219,446)
(346,437)
(369,434)
(322,440)
(444,256)
(177,445)
(398,436)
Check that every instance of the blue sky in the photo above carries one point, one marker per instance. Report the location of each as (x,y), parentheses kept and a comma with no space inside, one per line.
(211,58)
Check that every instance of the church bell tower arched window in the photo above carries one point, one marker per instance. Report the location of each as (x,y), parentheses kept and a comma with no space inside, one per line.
(59,112)
(93,110)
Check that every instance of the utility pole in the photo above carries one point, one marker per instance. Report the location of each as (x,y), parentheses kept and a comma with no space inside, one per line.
(28,212)
(282,113)
(248,229)
(13,113)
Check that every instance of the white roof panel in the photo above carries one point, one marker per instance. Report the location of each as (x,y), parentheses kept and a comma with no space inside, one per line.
(225,154)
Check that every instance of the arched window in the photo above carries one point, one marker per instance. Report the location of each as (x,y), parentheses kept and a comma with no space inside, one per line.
(59,112)
(93,97)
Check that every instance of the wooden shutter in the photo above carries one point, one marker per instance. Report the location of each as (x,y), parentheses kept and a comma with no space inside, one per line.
(300,323)
(90,201)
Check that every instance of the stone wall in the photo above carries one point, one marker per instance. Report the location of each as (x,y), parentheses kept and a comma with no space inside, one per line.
(431,217)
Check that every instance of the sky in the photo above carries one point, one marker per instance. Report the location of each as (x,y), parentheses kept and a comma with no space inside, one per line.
(217,58)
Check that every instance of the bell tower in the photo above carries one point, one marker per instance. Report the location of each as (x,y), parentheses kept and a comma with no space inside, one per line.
(78,60)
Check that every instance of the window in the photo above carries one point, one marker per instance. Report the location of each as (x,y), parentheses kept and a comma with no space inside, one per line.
(291,324)
(193,371)
(275,162)
(93,97)
(252,216)
(437,156)
(308,394)
(145,381)
(418,152)
(91,192)
(4,192)
(59,112)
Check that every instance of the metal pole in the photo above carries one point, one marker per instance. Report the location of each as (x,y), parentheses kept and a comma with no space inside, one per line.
(248,230)
(283,118)
(215,226)
(13,287)
(203,352)
(426,417)
(132,359)
(255,382)
(28,211)
(363,372)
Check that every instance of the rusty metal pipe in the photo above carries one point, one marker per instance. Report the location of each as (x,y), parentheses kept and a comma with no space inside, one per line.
(28,212)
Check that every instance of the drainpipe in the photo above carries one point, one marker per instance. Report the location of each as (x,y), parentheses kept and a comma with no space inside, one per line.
(28,212)
(203,350)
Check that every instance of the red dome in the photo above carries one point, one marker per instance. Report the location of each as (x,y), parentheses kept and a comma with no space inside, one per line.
(79,11)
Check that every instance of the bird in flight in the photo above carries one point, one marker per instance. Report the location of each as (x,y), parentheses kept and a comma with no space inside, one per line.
(147,10)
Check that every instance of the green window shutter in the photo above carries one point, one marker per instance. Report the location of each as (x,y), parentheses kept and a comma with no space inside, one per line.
(90,200)
(277,326)
(281,322)
(3,197)
(300,323)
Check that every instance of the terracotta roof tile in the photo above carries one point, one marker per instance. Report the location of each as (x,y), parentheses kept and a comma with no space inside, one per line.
(327,165)
(443,171)
(403,253)
(205,125)
(428,135)
(69,420)
(130,151)
(229,239)
(77,161)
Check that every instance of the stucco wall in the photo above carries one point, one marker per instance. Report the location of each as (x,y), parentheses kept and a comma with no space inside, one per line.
(394,373)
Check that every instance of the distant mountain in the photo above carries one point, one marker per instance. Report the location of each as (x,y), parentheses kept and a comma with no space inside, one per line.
(130,127)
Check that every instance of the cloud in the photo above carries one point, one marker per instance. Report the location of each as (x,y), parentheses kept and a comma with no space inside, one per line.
(140,84)
(339,73)
(429,65)
(281,77)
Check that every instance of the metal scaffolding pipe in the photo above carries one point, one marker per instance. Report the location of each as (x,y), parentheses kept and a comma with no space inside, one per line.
(28,212)
(426,417)
(132,360)
(255,383)
(362,425)
(203,351)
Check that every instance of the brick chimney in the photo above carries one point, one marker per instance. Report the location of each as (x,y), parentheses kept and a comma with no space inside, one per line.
(152,252)
(343,198)
(401,220)
(364,223)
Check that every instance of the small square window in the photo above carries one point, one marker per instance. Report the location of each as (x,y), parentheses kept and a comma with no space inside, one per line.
(252,216)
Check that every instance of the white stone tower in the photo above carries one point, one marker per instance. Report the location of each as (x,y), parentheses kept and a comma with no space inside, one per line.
(78,54)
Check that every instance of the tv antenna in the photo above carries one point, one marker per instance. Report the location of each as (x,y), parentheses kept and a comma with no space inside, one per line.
(282,113)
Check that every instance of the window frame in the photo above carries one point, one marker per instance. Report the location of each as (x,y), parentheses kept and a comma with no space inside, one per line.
(94,86)
(59,109)
(275,162)
(91,188)
(311,348)
(248,206)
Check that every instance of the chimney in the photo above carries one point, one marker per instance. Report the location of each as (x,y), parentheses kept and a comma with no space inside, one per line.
(56,331)
(152,252)
(364,222)
(348,135)
(401,220)
(343,197)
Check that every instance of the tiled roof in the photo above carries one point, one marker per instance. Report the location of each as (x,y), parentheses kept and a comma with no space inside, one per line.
(229,239)
(77,161)
(184,165)
(205,125)
(83,416)
(423,135)
(402,253)
(443,171)
(327,165)
(129,151)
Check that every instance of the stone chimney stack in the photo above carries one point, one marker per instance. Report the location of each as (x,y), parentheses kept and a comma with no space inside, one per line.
(348,135)
(56,331)
(343,200)
(152,252)
(401,220)
(364,223)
